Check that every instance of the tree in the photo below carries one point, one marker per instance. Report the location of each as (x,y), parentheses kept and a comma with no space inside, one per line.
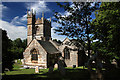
(58,41)
(24,44)
(18,48)
(17,43)
(76,24)
(106,28)
(7,57)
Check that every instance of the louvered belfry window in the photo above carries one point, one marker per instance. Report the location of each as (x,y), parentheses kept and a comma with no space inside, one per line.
(34,55)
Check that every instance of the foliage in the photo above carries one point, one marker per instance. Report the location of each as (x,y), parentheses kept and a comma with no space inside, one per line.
(106,28)
(11,50)
(76,24)
(58,41)
(7,57)
(18,46)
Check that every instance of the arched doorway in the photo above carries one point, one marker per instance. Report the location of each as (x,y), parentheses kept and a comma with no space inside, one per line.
(34,55)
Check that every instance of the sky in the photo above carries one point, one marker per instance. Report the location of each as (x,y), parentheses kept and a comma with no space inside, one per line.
(14,17)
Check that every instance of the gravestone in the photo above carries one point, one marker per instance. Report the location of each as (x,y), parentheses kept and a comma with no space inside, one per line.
(56,65)
(15,61)
(114,62)
(61,65)
(50,69)
(74,66)
(37,69)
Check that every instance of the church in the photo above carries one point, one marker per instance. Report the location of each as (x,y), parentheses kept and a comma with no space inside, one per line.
(42,51)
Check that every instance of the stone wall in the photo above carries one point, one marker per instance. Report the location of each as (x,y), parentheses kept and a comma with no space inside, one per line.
(73,56)
(42,55)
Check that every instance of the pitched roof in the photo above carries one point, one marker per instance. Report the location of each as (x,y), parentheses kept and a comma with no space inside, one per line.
(49,47)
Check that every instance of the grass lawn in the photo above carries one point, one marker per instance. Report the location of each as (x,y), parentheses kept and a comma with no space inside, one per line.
(71,74)
(29,74)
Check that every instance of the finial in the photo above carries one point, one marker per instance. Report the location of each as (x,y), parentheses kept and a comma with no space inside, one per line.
(32,11)
(43,14)
(35,12)
(50,19)
(27,11)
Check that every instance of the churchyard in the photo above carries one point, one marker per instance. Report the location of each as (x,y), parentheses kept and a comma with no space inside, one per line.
(91,51)
(77,73)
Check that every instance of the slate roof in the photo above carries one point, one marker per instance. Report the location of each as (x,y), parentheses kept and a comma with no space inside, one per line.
(49,47)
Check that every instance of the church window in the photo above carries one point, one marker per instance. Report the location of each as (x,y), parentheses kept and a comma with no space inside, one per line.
(34,55)
(66,53)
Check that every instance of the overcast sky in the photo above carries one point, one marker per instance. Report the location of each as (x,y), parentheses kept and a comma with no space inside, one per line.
(14,18)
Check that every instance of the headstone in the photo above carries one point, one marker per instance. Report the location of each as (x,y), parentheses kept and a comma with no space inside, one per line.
(50,69)
(15,61)
(56,65)
(74,66)
(22,61)
(114,63)
(37,69)
(61,66)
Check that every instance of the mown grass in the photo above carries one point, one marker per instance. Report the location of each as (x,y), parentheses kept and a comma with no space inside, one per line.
(29,74)
(78,73)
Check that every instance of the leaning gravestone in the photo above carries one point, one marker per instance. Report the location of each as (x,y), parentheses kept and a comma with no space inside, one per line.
(37,69)
(61,65)
(50,69)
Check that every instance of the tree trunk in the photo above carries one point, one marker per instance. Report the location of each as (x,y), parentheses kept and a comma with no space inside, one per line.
(88,38)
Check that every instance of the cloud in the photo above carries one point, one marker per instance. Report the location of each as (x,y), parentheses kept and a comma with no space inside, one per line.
(14,31)
(39,7)
(19,20)
(2,8)
(16,28)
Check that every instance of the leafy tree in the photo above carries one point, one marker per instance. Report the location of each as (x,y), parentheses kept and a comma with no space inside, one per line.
(17,43)
(18,48)
(7,57)
(11,50)
(76,24)
(106,28)
(24,44)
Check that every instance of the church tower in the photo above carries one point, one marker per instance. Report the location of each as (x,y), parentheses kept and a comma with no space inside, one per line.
(39,29)
(30,26)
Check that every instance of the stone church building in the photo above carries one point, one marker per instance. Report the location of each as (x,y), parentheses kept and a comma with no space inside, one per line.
(41,50)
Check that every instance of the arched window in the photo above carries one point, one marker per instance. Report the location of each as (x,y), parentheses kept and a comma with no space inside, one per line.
(66,53)
(34,55)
